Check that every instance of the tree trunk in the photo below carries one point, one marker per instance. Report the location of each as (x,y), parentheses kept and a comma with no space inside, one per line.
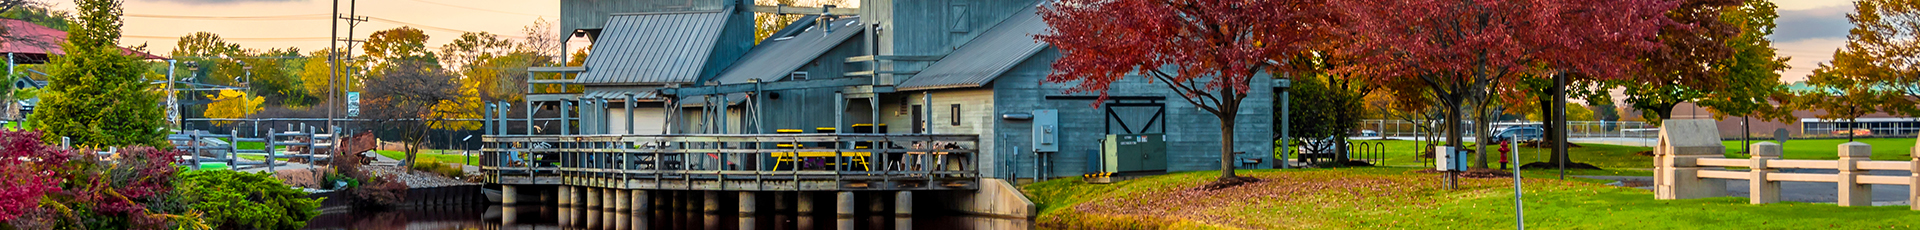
(1226,143)
(1453,123)
(1480,133)
(1546,127)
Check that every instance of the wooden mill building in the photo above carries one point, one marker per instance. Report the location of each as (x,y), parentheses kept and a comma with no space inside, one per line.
(921,66)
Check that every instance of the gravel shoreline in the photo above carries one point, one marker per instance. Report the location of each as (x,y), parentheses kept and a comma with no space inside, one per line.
(416,179)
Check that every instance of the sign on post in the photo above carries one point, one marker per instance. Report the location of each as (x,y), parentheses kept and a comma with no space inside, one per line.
(353,104)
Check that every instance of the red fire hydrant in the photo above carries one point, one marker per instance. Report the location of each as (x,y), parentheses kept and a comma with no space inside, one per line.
(1504,149)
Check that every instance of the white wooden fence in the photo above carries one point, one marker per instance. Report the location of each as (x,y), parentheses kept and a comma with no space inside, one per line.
(1690,166)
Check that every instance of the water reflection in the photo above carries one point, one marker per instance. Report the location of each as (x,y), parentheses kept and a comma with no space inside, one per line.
(552,217)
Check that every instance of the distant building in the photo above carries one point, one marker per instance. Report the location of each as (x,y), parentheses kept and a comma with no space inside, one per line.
(946,67)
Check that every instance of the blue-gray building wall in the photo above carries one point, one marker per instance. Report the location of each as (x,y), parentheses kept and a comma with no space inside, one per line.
(1193,135)
(736,38)
(811,108)
(933,27)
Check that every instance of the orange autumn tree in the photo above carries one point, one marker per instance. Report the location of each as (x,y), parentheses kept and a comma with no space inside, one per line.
(1207,51)
(1462,49)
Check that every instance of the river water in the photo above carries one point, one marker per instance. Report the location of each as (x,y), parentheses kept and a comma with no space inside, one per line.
(551,217)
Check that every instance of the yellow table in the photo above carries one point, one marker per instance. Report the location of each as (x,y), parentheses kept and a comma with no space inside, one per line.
(856,157)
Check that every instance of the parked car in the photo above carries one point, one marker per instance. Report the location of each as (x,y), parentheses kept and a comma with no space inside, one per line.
(1856,132)
(1523,133)
(1369,133)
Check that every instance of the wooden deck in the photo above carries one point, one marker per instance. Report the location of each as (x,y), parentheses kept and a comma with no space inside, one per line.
(732,162)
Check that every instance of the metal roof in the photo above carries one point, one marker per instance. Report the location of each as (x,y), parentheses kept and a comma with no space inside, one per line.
(653,47)
(621,95)
(985,57)
(776,57)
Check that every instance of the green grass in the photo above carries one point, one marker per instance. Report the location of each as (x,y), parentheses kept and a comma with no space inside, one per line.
(444,156)
(1623,161)
(1885,149)
(1397,198)
(1615,159)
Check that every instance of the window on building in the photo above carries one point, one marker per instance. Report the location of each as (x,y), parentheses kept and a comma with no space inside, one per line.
(954,114)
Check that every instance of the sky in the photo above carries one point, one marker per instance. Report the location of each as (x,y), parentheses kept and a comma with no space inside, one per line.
(1809,30)
(263,24)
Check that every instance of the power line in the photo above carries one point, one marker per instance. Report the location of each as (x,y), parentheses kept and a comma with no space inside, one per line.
(260,18)
(229,38)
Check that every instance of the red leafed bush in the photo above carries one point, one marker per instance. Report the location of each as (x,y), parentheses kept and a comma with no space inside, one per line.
(28,171)
(381,191)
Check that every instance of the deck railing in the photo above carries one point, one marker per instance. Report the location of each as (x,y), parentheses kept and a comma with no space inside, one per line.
(736,161)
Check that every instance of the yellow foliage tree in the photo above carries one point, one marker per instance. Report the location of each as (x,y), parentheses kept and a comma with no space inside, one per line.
(233,104)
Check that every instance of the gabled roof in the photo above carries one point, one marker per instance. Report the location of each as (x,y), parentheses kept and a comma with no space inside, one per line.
(34,39)
(985,57)
(779,55)
(654,48)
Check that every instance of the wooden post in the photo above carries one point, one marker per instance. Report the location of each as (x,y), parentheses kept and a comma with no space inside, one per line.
(1851,192)
(1760,189)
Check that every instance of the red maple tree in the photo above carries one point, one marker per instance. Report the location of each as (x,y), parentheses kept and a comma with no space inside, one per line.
(1207,51)
(1460,49)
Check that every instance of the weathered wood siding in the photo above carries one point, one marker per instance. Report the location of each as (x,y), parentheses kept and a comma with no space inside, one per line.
(1193,135)
(977,116)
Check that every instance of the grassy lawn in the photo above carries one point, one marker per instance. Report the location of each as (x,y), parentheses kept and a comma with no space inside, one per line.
(1622,160)
(1885,149)
(453,156)
(1617,160)
(1398,198)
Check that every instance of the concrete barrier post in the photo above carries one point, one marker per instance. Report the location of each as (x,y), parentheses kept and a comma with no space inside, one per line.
(1682,143)
(1913,177)
(1851,192)
(1760,189)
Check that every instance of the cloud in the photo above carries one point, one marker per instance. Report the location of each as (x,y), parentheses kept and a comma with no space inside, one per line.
(1807,55)
(199,2)
(1824,22)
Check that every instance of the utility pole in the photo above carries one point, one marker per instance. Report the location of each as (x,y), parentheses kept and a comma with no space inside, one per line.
(336,93)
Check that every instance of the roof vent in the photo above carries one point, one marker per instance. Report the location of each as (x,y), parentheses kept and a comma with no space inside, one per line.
(797,76)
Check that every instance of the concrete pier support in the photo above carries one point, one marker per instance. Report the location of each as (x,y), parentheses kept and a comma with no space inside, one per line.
(508,214)
(747,207)
(566,216)
(903,210)
(593,198)
(843,210)
(640,202)
(607,199)
(803,210)
(680,208)
(710,209)
(566,196)
(509,195)
(622,200)
(876,207)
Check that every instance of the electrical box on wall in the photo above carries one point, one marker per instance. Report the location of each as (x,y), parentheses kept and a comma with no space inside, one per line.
(1046,130)
(1140,152)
